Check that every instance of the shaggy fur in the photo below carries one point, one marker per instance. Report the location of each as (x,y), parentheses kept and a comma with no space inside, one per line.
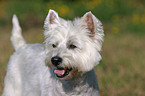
(63,65)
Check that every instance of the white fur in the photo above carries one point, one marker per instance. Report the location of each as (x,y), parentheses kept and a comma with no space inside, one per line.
(28,73)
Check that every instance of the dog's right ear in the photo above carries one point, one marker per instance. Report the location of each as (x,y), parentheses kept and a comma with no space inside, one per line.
(51,20)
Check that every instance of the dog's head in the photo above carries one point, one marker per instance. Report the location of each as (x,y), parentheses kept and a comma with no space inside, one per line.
(72,47)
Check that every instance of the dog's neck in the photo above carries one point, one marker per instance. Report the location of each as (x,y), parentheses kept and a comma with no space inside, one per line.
(85,82)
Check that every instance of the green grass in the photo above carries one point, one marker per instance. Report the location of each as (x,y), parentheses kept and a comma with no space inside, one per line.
(128,16)
(120,73)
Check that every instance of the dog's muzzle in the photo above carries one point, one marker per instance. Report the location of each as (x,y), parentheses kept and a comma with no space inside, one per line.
(60,71)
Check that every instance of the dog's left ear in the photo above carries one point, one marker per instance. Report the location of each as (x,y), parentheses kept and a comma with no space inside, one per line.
(93,24)
(51,20)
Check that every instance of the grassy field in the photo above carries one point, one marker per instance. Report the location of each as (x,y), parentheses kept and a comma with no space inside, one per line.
(120,73)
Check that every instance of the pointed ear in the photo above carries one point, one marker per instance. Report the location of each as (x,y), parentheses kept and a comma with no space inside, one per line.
(51,19)
(89,20)
(93,24)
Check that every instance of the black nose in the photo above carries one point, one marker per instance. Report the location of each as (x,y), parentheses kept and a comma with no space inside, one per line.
(56,60)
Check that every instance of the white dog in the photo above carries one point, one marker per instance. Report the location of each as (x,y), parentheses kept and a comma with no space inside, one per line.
(63,66)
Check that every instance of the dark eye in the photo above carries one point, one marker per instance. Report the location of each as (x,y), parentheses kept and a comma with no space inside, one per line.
(53,45)
(71,46)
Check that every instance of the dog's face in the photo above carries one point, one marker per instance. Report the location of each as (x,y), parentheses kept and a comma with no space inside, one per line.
(72,47)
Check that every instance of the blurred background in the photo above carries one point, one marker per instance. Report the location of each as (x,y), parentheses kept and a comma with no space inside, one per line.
(122,69)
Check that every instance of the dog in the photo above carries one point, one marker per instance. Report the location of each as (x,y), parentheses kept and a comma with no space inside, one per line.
(63,65)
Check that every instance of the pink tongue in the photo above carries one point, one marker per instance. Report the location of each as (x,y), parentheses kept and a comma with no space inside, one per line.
(59,72)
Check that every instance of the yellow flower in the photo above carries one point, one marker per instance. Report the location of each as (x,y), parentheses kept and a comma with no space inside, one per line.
(115,30)
(143,18)
(92,4)
(135,18)
(63,10)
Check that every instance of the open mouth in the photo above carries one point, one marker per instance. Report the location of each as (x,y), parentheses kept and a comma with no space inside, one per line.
(62,72)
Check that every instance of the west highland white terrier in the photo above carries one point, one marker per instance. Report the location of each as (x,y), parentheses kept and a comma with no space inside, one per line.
(63,65)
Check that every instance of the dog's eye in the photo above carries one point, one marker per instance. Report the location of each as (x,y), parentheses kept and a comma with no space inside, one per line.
(71,46)
(53,45)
